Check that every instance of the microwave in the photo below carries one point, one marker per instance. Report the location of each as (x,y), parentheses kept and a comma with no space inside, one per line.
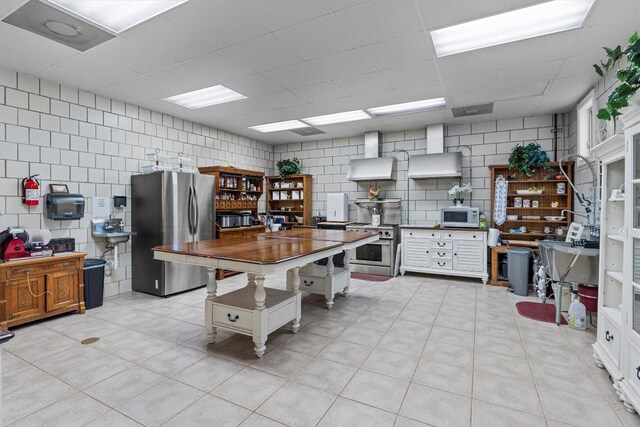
(460,216)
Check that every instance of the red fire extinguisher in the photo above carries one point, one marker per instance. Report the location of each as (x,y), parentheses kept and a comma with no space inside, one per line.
(31,191)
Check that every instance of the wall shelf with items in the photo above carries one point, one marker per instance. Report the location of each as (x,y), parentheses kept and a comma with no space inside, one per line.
(290,196)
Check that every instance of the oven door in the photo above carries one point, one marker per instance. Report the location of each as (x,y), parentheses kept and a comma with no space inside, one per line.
(377,253)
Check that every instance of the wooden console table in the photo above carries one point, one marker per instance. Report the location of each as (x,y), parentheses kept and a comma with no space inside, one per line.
(254,310)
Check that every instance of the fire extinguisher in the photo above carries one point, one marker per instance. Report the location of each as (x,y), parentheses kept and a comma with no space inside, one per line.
(31,191)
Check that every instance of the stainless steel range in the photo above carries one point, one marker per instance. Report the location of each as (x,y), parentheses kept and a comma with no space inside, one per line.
(378,257)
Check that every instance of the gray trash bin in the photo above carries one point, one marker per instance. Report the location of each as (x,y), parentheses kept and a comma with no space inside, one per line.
(519,269)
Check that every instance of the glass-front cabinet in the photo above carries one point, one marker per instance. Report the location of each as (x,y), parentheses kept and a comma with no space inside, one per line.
(632,252)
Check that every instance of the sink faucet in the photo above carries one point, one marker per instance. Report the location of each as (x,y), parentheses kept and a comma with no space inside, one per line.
(594,229)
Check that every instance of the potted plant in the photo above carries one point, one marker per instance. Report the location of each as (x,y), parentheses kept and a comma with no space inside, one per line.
(526,158)
(629,77)
(288,167)
(458,191)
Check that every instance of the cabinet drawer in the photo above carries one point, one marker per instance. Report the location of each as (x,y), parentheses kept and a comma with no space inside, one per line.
(441,264)
(311,284)
(439,254)
(632,368)
(18,272)
(232,317)
(422,233)
(610,339)
(467,235)
(441,244)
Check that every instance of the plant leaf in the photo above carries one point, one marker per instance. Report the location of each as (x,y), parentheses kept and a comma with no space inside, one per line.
(598,70)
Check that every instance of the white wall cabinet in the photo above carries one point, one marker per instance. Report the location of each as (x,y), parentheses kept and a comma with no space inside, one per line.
(440,251)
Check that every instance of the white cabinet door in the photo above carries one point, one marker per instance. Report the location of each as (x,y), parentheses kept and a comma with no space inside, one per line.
(416,252)
(467,255)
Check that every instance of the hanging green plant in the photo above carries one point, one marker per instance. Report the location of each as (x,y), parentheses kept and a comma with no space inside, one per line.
(288,167)
(629,77)
(525,158)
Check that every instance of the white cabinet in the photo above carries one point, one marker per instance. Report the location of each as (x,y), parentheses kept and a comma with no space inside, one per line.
(453,253)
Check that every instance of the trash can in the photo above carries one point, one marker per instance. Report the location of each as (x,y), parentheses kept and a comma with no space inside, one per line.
(519,269)
(93,282)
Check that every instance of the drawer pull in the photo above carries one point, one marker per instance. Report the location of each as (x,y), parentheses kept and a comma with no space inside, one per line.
(455,254)
(608,336)
(234,319)
(442,245)
(638,372)
(308,284)
(449,235)
(427,251)
(442,264)
(441,254)
(474,236)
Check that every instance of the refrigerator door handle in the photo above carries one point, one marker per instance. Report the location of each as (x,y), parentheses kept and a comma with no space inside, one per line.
(189,209)
(196,212)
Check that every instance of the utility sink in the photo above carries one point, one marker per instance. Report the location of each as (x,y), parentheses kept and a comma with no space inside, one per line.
(110,230)
(558,256)
(115,237)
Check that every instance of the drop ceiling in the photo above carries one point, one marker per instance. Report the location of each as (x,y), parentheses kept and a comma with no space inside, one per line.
(303,58)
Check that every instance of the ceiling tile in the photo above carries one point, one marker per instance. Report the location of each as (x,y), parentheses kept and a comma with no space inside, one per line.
(253,85)
(400,51)
(8,6)
(319,92)
(343,64)
(604,12)
(539,49)
(336,5)
(319,37)
(379,20)
(81,80)
(149,87)
(295,76)
(364,83)
(219,22)
(263,53)
(39,48)
(168,39)
(475,62)
(583,64)
(591,39)
(282,100)
(283,13)
(456,11)
(219,65)
(422,72)
(134,57)
(500,94)
(541,72)
(400,95)
(101,67)
(524,107)
(582,82)
(320,108)
(182,78)
(477,83)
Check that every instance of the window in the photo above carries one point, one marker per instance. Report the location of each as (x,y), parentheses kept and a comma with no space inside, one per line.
(585,125)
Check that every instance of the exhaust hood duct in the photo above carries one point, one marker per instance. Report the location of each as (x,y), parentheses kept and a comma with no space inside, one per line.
(436,163)
(372,167)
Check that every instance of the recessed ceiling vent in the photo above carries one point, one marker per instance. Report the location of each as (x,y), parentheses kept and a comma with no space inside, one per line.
(308,131)
(49,22)
(472,110)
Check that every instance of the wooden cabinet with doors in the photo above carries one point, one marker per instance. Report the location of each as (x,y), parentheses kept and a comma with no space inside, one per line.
(35,288)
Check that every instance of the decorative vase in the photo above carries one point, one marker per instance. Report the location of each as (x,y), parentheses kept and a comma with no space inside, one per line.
(458,201)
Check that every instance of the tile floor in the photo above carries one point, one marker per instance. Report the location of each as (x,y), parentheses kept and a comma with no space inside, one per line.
(412,351)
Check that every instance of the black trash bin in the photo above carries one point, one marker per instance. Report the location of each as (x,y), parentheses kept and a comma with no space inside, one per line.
(93,282)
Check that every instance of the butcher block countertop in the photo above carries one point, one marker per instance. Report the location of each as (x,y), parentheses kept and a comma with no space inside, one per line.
(322,235)
(431,227)
(255,250)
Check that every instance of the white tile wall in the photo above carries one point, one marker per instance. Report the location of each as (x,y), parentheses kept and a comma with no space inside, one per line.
(94,145)
(488,143)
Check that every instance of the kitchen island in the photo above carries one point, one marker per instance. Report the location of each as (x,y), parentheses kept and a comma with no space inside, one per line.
(254,310)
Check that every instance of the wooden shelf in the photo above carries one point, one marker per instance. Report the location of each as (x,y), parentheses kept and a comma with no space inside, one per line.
(504,233)
(538,221)
(301,183)
(234,190)
(286,189)
(533,182)
(285,212)
(543,207)
(536,195)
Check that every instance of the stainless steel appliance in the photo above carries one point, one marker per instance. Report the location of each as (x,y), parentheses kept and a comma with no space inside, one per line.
(246,220)
(228,220)
(460,216)
(377,257)
(169,208)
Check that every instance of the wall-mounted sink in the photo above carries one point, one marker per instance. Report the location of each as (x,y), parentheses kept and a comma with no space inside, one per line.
(110,230)
(558,256)
(115,237)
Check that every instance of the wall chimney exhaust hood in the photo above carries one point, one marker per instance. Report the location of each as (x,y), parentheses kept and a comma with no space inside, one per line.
(436,163)
(372,167)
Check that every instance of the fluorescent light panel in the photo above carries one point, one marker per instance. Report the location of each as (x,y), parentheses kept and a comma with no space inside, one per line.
(348,116)
(408,107)
(274,127)
(117,15)
(538,20)
(206,97)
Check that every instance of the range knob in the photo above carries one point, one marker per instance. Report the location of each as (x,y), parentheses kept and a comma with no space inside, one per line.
(386,233)
(379,233)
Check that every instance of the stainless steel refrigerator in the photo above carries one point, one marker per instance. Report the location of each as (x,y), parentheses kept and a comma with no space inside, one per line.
(169,208)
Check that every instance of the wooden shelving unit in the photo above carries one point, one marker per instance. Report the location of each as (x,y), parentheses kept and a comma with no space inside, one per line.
(290,197)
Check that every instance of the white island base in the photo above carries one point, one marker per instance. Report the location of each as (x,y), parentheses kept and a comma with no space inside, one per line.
(327,281)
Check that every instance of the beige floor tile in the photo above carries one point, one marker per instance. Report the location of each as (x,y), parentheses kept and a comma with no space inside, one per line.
(436,407)
(392,364)
(411,329)
(325,375)
(418,316)
(373,321)
(123,386)
(39,345)
(501,365)
(376,390)
(89,373)
(209,411)
(456,320)
(452,336)
(173,360)
(249,388)
(160,403)
(238,349)
(113,418)
(563,378)
(75,410)
(490,415)
(451,378)
(307,343)
(284,406)
(325,327)
(402,344)
(345,412)
(208,373)
(499,329)
(503,391)
(408,422)
(552,354)
(33,397)
(505,346)
(68,359)
(361,335)
(448,353)
(282,362)
(578,408)
(344,352)
(257,420)
(21,377)
(133,346)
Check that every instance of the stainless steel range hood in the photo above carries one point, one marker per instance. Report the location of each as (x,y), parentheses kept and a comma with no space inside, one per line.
(372,167)
(436,163)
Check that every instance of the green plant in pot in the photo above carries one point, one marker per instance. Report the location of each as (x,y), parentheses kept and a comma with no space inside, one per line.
(288,167)
(629,77)
(526,158)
